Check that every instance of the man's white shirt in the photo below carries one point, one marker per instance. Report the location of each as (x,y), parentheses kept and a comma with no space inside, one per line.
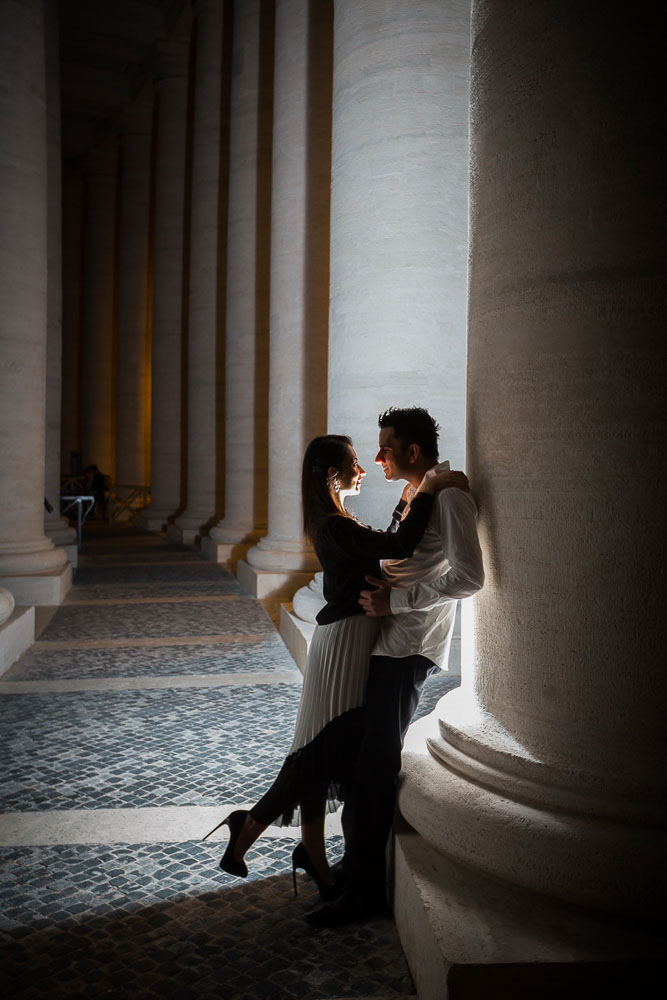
(445,566)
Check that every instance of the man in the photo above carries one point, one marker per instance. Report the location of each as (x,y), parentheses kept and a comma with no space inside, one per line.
(417,598)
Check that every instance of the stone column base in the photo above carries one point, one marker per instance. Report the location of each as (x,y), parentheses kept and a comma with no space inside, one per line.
(225,552)
(296,634)
(269,583)
(40,588)
(468,937)
(16,635)
(183,536)
(72,554)
(152,523)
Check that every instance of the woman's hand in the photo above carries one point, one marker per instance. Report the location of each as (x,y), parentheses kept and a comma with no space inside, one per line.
(445,481)
(408,492)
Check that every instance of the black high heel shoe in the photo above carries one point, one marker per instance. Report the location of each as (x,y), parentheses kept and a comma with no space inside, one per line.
(300,859)
(228,863)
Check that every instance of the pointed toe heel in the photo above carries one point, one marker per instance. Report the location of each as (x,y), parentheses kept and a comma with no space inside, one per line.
(301,860)
(228,863)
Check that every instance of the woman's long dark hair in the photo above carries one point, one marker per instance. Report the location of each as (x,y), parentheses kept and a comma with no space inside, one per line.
(317,494)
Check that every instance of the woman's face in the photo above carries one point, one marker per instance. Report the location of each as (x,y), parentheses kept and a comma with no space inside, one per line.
(350,475)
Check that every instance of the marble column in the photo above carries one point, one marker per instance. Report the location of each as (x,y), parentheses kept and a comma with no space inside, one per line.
(247,298)
(205,303)
(31,567)
(170,68)
(57,528)
(98,347)
(72,316)
(299,298)
(547,768)
(398,224)
(398,233)
(135,288)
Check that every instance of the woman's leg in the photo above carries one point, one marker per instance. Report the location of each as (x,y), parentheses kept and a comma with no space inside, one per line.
(280,798)
(250,832)
(312,838)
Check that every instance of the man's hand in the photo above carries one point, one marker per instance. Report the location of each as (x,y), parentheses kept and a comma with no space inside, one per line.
(376,602)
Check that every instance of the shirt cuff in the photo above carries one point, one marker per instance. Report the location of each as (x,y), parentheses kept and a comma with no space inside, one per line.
(398,600)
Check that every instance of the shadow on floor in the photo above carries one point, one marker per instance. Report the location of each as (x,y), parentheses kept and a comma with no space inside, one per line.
(239,942)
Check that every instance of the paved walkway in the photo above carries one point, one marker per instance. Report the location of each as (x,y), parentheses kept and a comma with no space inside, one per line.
(157,698)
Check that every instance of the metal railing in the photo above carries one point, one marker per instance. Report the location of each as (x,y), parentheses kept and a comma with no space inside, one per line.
(125,502)
(84,505)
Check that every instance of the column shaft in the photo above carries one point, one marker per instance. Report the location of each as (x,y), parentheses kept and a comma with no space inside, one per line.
(171,65)
(553,751)
(248,253)
(72,299)
(134,294)
(205,309)
(30,567)
(398,223)
(98,412)
(56,527)
(299,269)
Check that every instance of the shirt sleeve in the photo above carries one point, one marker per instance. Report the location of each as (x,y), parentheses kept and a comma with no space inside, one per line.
(358,540)
(460,544)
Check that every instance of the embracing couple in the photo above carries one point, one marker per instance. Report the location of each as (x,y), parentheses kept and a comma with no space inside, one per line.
(379,635)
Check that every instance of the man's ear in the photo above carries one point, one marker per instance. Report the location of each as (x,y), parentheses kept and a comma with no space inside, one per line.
(413,453)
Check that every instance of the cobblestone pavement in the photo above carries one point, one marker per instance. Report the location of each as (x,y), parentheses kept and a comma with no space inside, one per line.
(160,688)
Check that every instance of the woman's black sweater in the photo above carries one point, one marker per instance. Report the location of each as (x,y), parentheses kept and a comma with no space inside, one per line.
(350,551)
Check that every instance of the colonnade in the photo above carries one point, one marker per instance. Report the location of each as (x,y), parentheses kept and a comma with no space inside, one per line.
(303,184)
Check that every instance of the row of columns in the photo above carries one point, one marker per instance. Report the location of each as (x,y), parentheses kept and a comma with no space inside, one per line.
(262,188)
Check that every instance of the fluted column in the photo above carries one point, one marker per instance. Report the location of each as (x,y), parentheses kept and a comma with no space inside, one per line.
(56,527)
(170,67)
(31,567)
(205,308)
(98,347)
(247,312)
(72,313)
(398,224)
(134,293)
(299,273)
(548,766)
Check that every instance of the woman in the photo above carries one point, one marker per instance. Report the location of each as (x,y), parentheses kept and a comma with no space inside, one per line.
(329,721)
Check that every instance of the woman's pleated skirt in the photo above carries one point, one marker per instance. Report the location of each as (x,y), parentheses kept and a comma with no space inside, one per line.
(329,724)
(336,674)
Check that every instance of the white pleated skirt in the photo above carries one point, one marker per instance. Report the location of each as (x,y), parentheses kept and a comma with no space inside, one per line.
(336,673)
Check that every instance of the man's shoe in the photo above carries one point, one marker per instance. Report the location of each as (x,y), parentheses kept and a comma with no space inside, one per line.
(347,909)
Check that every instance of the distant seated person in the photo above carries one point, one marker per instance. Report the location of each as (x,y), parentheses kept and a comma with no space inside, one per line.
(98,488)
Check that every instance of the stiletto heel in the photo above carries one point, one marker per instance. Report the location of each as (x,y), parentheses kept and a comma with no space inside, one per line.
(228,863)
(300,859)
(221,823)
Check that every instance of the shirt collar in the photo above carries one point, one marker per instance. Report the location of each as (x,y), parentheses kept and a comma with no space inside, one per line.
(440,467)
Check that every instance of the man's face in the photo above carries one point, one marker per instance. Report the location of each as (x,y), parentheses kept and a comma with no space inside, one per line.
(392,456)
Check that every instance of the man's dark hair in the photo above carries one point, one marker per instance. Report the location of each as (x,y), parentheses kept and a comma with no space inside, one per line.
(412,425)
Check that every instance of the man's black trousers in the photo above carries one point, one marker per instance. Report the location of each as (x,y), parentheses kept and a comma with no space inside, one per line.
(392,695)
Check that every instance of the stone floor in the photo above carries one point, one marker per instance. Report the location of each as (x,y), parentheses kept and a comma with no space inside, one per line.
(155,699)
